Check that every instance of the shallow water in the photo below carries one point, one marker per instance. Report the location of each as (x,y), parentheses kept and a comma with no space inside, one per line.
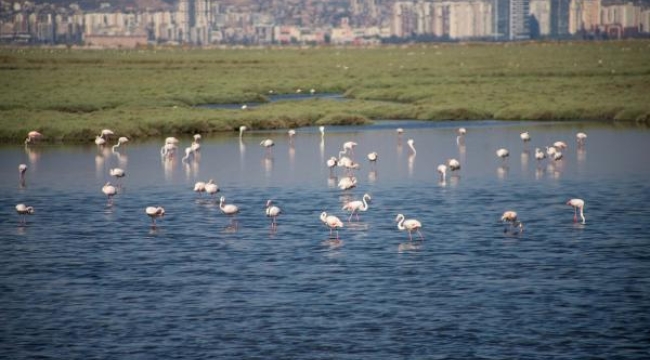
(87,279)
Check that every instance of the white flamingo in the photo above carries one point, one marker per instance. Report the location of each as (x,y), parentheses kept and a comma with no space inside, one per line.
(503,153)
(117,173)
(120,141)
(199,187)
(100,141)
(357,205)
(577,204)
(332,222)
(539,154)
(110,191)
(347,182)
(273,212)
(510,217)
(442,170)
(188,153)
(557,155)
(372,157)
(551,150)
(229,209)
(349,146)
(411,143)
(331,164)
(560,145)
(409,225)
(24,210)
(211,188)
(525,137)
(460,138)
(268,145)
(22,169)
(322,131)
(581,138)
(154,212)
(241,130)
(453,164)
(106,133)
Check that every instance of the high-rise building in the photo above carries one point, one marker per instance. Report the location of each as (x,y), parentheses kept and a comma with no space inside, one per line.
(518,24)
(560,18)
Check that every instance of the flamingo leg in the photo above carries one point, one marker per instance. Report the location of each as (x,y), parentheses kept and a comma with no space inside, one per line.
(575,214)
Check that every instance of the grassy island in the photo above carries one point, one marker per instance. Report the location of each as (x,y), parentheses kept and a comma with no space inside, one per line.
(71,94)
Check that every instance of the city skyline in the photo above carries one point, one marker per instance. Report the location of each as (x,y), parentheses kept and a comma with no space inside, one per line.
(205,22)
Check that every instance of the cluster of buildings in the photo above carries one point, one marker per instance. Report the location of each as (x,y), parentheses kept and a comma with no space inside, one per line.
(266,22)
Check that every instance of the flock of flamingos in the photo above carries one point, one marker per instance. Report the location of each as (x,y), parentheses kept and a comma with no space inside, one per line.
(344,160)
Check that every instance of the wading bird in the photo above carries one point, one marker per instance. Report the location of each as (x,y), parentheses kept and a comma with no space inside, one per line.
(24,210)
(510,217)
(581,138)
(22,169)
(332,222)
(110,191)
(503,153)
(33,136)
(411,143)
(272,211)
(268,145)
(120,141)
(229,209)
(409,225)
(577,204)
(154,212)
(357,205)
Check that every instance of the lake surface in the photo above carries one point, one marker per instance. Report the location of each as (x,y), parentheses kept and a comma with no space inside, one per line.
(88,279)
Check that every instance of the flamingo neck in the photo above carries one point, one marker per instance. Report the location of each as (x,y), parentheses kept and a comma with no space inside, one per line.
(400,223)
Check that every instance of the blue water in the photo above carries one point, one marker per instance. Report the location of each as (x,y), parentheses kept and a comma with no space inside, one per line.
(87,279)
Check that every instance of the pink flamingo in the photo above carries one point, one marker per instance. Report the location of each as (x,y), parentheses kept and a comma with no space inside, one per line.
(332,222)
(24,210)
(510,217)
(577,204)
(357,205)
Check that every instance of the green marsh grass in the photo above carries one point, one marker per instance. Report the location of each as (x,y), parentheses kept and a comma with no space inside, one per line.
(70,95)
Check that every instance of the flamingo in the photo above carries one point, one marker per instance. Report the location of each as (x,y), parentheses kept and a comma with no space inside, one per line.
(291,133)
(272,211)
(154,212)
(195,146)
(244,107)
(442,170)
(33,136)
(409,225)
(539,154)
(372,157)
(332,222)
(22,169)
(188,152)
(503,153)
(525,137)
(24,210)
(322,131)
(510,217)
(312,91)
(551,150)
(453,164)
(577,204)
(557,155)
(399,131)
(560,145)
(410,143)
(106,133)
(357,205)
(120,141)
(331,163)
(349,146)
(100,141)
(460,138)
(197,137)
(268,144)
(347,182)
(581,138)
(110,191)
(241,130)
(228,209)
(118,173)
(168,150)
(211,188)
(199,187)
